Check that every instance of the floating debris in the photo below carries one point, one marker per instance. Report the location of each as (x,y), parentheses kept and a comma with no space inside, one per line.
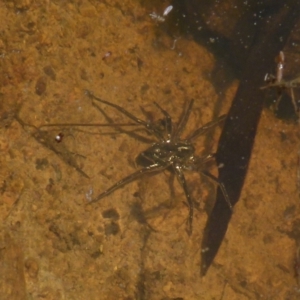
(158,18)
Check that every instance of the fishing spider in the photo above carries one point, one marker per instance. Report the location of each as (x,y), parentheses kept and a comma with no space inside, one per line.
(170,151)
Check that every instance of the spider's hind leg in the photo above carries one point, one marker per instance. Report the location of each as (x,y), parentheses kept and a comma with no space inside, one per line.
(182,181)
(151,168)
(221,185)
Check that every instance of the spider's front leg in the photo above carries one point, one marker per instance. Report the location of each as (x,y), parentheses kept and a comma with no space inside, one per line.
(148,126)
(168,121)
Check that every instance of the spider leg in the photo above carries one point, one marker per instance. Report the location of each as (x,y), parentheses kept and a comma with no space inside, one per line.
(183,119)
(147,125)
(149,169)
(206,127)
(182,181)
(119,108)
(171,187)
(220,184)
(294,101)
(204,159)
(279,96)
(169,124)
(129,133)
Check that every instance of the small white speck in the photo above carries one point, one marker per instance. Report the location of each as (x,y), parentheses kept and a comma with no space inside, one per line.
(89,194)
(167,10)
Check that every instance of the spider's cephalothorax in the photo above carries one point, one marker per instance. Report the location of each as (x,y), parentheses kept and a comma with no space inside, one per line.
(170,151)
(167,153)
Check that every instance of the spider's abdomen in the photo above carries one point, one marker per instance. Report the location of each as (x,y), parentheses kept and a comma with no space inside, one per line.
(166,153)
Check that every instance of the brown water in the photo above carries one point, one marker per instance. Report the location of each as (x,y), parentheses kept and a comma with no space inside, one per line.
(132,244)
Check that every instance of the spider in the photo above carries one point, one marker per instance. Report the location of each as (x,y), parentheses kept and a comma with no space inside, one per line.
(170,151)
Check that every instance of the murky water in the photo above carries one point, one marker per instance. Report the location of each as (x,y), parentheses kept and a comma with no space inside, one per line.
(132,244)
